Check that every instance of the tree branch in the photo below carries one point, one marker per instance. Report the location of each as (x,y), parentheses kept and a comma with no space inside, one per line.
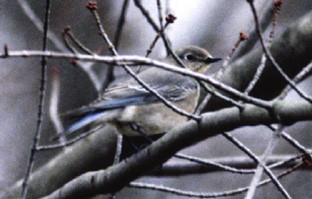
(285,50)
(115,178)
(287,54)
(73,161)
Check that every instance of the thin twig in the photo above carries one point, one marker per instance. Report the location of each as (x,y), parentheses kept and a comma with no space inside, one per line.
(287,160)
(141,185)
(197,165)
(71,35)
(242,37)
(139,80)
(67,44)
(212,91)
(259,170)
(160,15)
(149,51)
(161,31)
(256,76)
(117,157)
(169,20)
(293,142)
(155,27)
(299,77)
(158,35)
(86,68)
(211,163)
(69,142)
(110,70)
(160,18)
(146,14)
(262,65)
(41,103)
(165,40)
(253,36)
(137,60)
(296,144)
(204,161)
(68,32)
(54,102)
(118,149)
(121,23)
(276,136)
(272,59)
(242,147)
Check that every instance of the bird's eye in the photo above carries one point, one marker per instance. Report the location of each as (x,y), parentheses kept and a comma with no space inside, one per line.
(189,57)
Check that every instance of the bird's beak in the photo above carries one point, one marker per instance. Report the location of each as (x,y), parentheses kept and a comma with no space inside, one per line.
(212,60)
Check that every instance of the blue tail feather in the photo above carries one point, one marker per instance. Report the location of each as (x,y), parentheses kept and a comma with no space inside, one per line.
(84,121)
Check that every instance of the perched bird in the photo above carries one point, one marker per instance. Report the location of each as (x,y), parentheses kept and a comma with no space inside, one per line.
(129,103)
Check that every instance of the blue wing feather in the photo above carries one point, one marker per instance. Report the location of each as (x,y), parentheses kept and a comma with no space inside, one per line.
(84,121)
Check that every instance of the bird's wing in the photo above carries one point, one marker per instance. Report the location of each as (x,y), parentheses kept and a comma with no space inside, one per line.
(133,93)
(171,87)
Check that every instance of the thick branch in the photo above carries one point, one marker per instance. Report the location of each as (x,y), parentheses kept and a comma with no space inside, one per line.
(245,165)
(70,163)
(292,51)
(116,177)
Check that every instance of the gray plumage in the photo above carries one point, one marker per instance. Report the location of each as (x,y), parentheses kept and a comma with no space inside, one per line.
(128,102)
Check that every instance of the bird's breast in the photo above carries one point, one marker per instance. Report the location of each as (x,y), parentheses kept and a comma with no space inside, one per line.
(155,118)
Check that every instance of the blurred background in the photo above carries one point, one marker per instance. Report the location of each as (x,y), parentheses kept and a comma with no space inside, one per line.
(213,25)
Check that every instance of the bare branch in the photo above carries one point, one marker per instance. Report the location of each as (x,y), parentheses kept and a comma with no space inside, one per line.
(185,135)
(253,156)
(54,102)
(121,23)
(112,48)
(57,43)
(140,185)
(42,91)
(136,60)
(272,59)
(239,164)
(263,161)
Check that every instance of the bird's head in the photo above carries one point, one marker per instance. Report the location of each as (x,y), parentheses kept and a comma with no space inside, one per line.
(195,58)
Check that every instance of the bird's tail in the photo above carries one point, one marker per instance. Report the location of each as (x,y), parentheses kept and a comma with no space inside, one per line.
(77,113)
(81,123)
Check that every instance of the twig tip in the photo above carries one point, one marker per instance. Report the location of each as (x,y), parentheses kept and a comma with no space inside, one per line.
(170,18)
(74,62)
(278,2)
(243,36)
(67,29)
(55,70)
(6,50)
(92,5)
(306,159)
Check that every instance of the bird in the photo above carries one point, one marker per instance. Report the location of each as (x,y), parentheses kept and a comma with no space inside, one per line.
(128,103)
